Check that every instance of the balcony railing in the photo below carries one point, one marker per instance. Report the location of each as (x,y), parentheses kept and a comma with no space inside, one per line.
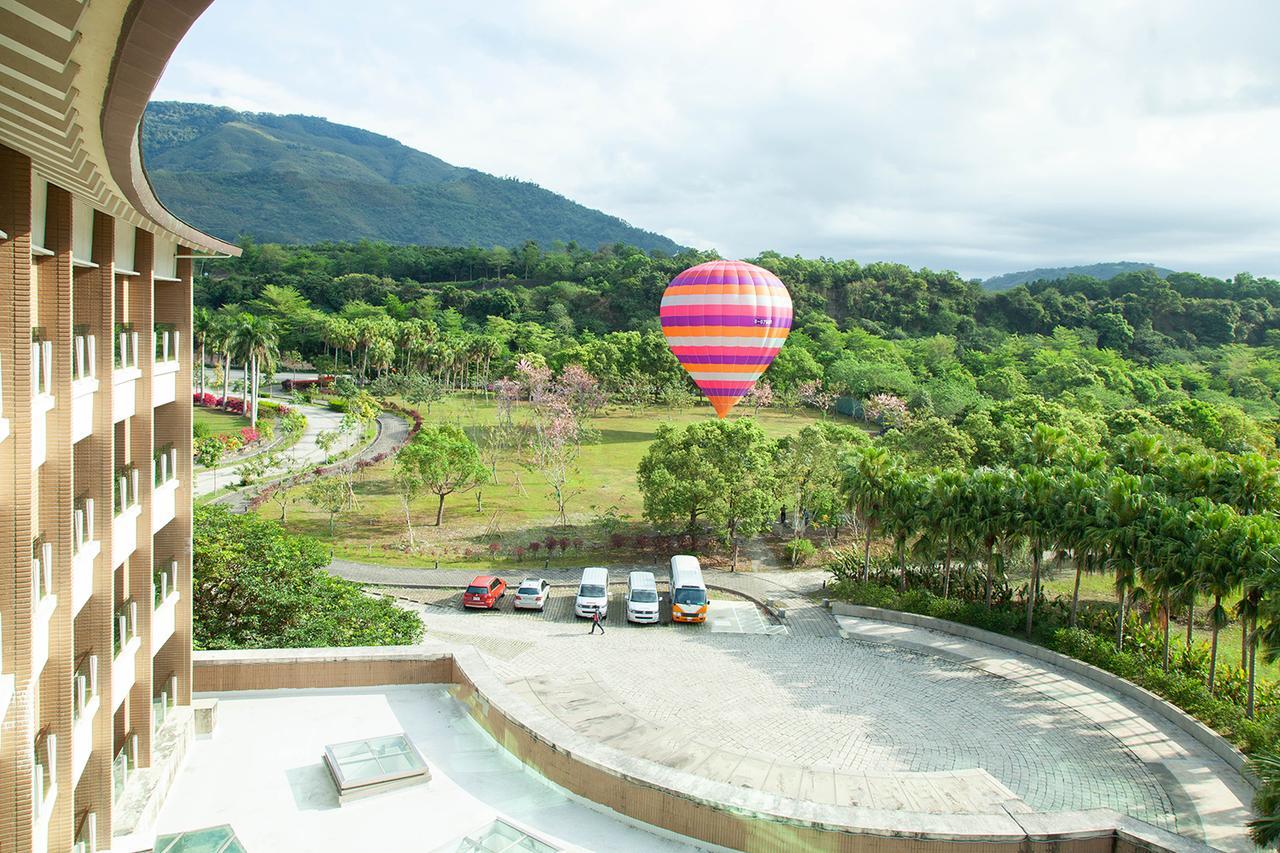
(125,762)
(41,363)
(41,569)
(166,343)
(163,703)
(44,773)
(82,523)
(84,685)
(164,465)
(126,625)
(87,835)
(126,347)
(165,580)
(127,491)
(84,355)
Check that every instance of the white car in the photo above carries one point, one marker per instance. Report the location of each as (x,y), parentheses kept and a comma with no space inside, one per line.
(532,594)
(593,594)
(642,598)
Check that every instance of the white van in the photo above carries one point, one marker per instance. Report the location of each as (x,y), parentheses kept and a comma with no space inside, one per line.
(642,598)
(689,600)
(593,593)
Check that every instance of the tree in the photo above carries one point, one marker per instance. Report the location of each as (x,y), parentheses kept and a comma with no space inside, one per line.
(331,495)
(447,460)
(409,484)
(209,452)
(1264,829)
(257,587)
(680,477)
(866,480)
(201,326)
(750,495)
(809,466)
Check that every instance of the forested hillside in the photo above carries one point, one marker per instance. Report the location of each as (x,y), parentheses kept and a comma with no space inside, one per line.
(1190,358)
(296,178)
(1104,272)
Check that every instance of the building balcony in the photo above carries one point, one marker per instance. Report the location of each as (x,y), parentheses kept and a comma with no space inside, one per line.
(84,385)
(164,373)
(126,643)
(125,375)
(128,509)
(84,707)
(7,681)
(123,765)
(165,596)
(42,401)
(87,834)
(164,497)
(44,601)
(163,703)
(85,548)
(44,788)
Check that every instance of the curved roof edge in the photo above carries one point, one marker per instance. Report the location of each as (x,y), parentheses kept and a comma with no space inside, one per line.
(149,34)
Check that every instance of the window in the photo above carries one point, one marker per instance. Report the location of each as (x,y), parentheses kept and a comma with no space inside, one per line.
(84,354)
(126,624)
(166,342)
(591,590)
(126,489)
(84,684)
(690,596)
(41,363)
(126,350)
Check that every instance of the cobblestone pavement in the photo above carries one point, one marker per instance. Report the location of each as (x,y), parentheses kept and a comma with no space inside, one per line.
(809,714)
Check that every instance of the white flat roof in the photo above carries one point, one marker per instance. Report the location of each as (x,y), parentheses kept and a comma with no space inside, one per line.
(263,773)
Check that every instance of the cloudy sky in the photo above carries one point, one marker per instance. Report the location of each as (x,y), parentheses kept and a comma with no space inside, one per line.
(981,136)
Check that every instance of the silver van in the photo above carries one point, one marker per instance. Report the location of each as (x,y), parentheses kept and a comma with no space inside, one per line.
(593,593)
(642,598)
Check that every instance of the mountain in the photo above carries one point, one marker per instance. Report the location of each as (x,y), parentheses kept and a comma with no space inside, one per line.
(300,179)
(1098,271)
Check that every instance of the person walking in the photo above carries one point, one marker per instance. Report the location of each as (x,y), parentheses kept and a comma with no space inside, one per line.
(596,622)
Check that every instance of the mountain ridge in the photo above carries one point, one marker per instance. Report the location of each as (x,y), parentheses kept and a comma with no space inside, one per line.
(1103,271)
(304,179)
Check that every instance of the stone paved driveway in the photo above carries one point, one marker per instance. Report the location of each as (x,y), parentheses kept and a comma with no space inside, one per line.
(848,721)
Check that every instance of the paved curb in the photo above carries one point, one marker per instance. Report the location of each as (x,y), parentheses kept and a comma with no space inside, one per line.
(1147,700)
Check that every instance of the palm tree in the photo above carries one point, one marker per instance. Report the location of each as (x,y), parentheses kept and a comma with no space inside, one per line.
(222,335)
(1216,551)
(990,489)
(257,341)
(1265,828)
(904,495)
(1037,503)
(1123,505)
(1076,528)
(865,483)
(201,325)
(949,500)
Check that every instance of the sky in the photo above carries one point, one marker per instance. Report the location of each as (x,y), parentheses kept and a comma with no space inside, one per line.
(976,135)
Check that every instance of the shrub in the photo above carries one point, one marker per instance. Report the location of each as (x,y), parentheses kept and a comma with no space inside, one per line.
(338,405)
(798,551)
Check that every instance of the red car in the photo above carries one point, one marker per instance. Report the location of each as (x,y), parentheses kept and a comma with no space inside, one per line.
(484,592)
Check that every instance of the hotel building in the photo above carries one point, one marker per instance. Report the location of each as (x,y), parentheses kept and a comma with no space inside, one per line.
(95,427)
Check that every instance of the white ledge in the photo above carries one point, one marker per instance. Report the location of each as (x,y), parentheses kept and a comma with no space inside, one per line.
(41,251)
(125,374)
(83,264)
(82,387)
(171,366)
(170,278)
(123,271)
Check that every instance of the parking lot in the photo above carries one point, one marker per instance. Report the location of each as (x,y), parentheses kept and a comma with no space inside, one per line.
(728,613)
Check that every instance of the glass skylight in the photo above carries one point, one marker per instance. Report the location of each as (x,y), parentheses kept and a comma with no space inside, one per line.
(363,767)
(211,839)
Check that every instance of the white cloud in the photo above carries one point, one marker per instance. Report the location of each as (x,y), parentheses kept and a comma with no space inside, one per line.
(980,136)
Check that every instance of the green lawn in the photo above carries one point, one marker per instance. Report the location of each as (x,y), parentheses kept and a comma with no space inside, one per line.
(216,421)
(1101,588)
(516,509)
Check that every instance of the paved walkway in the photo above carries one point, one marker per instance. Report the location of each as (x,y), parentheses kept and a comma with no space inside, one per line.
(305,453)
(844,713)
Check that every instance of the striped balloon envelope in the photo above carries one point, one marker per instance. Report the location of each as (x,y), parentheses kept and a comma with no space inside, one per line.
(725,321)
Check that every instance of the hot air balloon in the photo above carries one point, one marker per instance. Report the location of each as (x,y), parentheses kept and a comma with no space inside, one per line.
(725,321)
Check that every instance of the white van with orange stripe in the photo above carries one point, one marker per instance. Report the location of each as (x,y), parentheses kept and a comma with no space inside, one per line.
(689,601)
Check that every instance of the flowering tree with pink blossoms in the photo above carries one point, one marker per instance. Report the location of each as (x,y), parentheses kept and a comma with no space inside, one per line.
(886,410)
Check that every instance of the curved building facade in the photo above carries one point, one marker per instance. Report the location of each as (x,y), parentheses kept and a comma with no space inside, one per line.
(95,427)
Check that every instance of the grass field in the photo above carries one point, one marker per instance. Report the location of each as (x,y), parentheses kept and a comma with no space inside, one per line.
(1101,588)
(517,508)
(217,421)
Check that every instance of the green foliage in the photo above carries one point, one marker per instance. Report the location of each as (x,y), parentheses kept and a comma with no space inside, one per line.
(798,551)
(257,587)
(715,472)
(445,460)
